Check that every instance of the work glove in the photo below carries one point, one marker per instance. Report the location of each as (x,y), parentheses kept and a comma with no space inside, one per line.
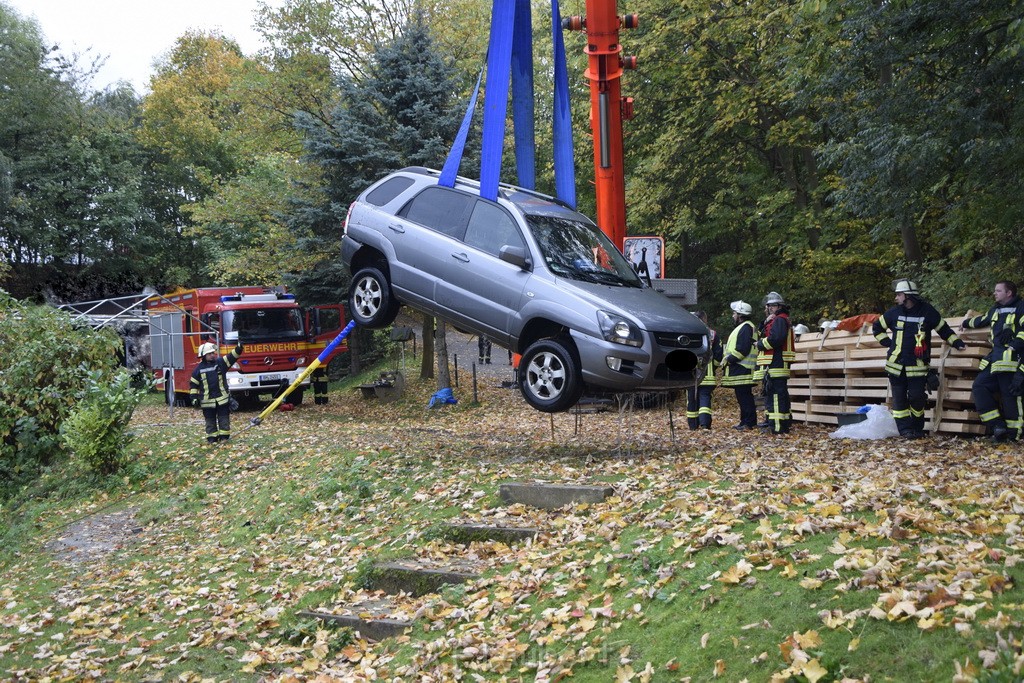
(920,351)
(959,345)
(886,342)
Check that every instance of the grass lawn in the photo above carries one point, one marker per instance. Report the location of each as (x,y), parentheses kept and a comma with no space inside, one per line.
(721,555)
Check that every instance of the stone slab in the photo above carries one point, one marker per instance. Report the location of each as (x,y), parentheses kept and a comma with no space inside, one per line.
(552,496)
(371,629)
(468,533)
(396,578)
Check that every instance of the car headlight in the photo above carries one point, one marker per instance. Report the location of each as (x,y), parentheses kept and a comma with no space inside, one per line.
(617,329)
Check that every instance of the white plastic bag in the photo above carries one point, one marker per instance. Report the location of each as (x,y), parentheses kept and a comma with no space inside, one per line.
(880,424)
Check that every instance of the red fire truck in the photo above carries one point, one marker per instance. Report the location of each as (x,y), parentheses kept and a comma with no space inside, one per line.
(280,338)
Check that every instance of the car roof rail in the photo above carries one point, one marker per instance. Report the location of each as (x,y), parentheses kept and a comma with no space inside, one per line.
(508,187)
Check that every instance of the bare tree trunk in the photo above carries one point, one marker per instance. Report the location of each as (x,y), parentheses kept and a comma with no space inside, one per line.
(355,352)
(444,377)
(911,245)
(427,359)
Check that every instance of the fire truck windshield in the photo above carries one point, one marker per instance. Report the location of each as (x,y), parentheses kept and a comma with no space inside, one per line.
(262,324)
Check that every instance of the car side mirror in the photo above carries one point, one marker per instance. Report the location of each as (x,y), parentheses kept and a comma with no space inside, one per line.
(514,255)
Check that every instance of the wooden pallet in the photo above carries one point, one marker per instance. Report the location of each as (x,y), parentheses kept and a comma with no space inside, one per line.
(837,372)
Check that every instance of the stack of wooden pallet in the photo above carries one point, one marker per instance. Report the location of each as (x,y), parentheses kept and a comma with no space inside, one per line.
(837,372)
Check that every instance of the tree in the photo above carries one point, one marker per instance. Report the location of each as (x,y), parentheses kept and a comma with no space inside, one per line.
(926,104)
(404,112)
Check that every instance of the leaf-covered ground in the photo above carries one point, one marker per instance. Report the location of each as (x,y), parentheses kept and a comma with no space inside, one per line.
(722,555)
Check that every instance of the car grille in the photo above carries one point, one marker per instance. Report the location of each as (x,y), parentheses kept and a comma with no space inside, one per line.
(670,340)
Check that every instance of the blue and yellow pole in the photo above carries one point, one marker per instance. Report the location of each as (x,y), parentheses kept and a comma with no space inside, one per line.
(324,355)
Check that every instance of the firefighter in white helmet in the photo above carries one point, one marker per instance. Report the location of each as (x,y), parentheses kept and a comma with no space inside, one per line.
(906,330)
(698,398)
(209,389)
(739,360)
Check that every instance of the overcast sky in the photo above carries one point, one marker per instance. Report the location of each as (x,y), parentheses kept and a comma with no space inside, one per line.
(134,33)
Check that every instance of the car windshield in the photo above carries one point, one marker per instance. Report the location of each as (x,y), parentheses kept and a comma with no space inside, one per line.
(580,251)
(262,323)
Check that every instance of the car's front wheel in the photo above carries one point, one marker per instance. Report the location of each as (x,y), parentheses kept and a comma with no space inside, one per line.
(550,376)
(370,301)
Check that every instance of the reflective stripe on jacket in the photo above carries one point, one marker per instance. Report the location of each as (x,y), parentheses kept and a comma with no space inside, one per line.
(716,360)
(909,329)
(776,347)
(740,355)
(1006,334)
(209,381)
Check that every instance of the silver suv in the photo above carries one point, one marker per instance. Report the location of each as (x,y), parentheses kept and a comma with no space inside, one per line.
(529,273)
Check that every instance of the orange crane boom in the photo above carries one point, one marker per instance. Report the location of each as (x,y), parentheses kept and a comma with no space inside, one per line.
(608,109)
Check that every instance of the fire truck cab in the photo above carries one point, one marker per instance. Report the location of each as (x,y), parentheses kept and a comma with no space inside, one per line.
(280,339)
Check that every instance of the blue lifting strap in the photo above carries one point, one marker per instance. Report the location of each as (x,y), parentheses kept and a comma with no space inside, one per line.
(451,164)
(499,64)
(510,53)
(565,167)
(522,96)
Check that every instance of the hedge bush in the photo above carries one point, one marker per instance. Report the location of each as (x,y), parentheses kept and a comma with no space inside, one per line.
(95,432)
(45,366)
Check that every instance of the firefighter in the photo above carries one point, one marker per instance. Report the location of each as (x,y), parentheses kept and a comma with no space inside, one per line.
(698,398)
(906,330)
(209,389)
(740,360)
(319,381)
(483,345)
(1001,366)
(776,350)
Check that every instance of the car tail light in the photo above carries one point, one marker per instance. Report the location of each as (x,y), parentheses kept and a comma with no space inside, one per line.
(348,215)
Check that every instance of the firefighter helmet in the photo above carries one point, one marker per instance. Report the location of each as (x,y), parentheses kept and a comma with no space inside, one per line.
(905,287)
(774,299)
(801,329)
(741,307)
(206,348)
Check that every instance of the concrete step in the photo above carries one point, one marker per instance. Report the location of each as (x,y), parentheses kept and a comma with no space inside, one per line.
(552,496)
(416,578)
(466,533)
(370,628)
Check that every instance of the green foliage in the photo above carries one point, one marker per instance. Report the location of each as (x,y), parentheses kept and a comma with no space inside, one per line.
(96,430)
(46,363)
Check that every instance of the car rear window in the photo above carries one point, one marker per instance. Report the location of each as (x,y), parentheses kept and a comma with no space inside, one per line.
(439,208)
(388,190)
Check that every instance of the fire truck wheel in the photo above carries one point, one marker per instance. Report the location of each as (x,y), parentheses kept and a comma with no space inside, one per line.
(370,301)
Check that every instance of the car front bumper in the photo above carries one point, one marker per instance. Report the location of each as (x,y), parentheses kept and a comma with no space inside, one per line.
(650,367)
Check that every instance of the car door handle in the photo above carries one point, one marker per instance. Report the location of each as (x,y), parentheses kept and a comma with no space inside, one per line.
(397,228)
(461,256)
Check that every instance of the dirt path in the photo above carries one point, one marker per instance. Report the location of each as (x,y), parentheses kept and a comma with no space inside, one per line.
(91,539)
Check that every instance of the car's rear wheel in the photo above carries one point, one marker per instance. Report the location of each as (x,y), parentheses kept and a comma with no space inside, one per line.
(550,376)
(371,303)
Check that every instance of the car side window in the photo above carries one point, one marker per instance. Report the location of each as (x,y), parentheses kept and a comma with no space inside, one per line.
(490,228)
(441,209)
(388,190)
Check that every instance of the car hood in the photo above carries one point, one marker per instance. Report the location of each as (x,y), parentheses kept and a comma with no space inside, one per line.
(650,309)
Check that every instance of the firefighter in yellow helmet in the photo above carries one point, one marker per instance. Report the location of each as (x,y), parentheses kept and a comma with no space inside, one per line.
(906,330)
(776,350)
(209,390)
(698,398)
(739,359)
